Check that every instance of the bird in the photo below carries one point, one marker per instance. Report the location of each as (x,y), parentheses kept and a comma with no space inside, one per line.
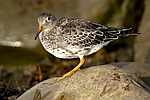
(70,38)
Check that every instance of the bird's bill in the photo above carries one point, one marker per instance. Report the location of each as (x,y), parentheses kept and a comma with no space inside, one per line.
(41,27)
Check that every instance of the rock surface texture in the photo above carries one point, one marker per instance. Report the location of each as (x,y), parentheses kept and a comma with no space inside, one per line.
(105,82)
(141,70)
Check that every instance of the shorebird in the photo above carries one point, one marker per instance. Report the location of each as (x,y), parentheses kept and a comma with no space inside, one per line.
(75,38)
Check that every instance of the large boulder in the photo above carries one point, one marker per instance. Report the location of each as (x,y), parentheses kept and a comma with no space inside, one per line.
(105,82)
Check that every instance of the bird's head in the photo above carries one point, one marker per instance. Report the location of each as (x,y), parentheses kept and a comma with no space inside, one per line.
(46,21)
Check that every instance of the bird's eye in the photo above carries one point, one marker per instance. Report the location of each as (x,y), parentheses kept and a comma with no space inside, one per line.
(48,18)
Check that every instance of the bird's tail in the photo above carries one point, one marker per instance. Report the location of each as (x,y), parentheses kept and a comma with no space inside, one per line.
(127,32)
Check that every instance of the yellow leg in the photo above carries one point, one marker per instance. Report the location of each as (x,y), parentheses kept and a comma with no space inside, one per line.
(73,70)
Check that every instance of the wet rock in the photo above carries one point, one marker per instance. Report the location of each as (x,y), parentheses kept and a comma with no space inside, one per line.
(95,83)
(142,44)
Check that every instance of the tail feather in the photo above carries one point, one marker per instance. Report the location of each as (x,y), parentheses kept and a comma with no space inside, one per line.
(114,33)
(127,31)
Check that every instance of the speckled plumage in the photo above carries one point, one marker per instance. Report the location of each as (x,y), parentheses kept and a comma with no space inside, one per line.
(75,38)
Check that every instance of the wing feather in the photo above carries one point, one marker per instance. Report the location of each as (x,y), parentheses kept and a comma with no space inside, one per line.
(78,32)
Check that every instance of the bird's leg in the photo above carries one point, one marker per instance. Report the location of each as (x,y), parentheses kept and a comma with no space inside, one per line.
(73,70)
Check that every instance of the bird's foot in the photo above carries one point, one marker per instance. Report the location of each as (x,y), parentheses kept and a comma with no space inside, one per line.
(67,75)
(72,71)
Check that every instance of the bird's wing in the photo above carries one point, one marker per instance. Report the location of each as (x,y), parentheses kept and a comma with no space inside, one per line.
(85,33)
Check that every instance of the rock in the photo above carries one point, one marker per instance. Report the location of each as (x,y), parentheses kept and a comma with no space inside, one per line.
(141,70)
(103,82)
(142,44)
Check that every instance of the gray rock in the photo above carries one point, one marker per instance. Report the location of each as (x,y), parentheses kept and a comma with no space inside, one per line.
(106,82)
(142,44)
(141,70)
